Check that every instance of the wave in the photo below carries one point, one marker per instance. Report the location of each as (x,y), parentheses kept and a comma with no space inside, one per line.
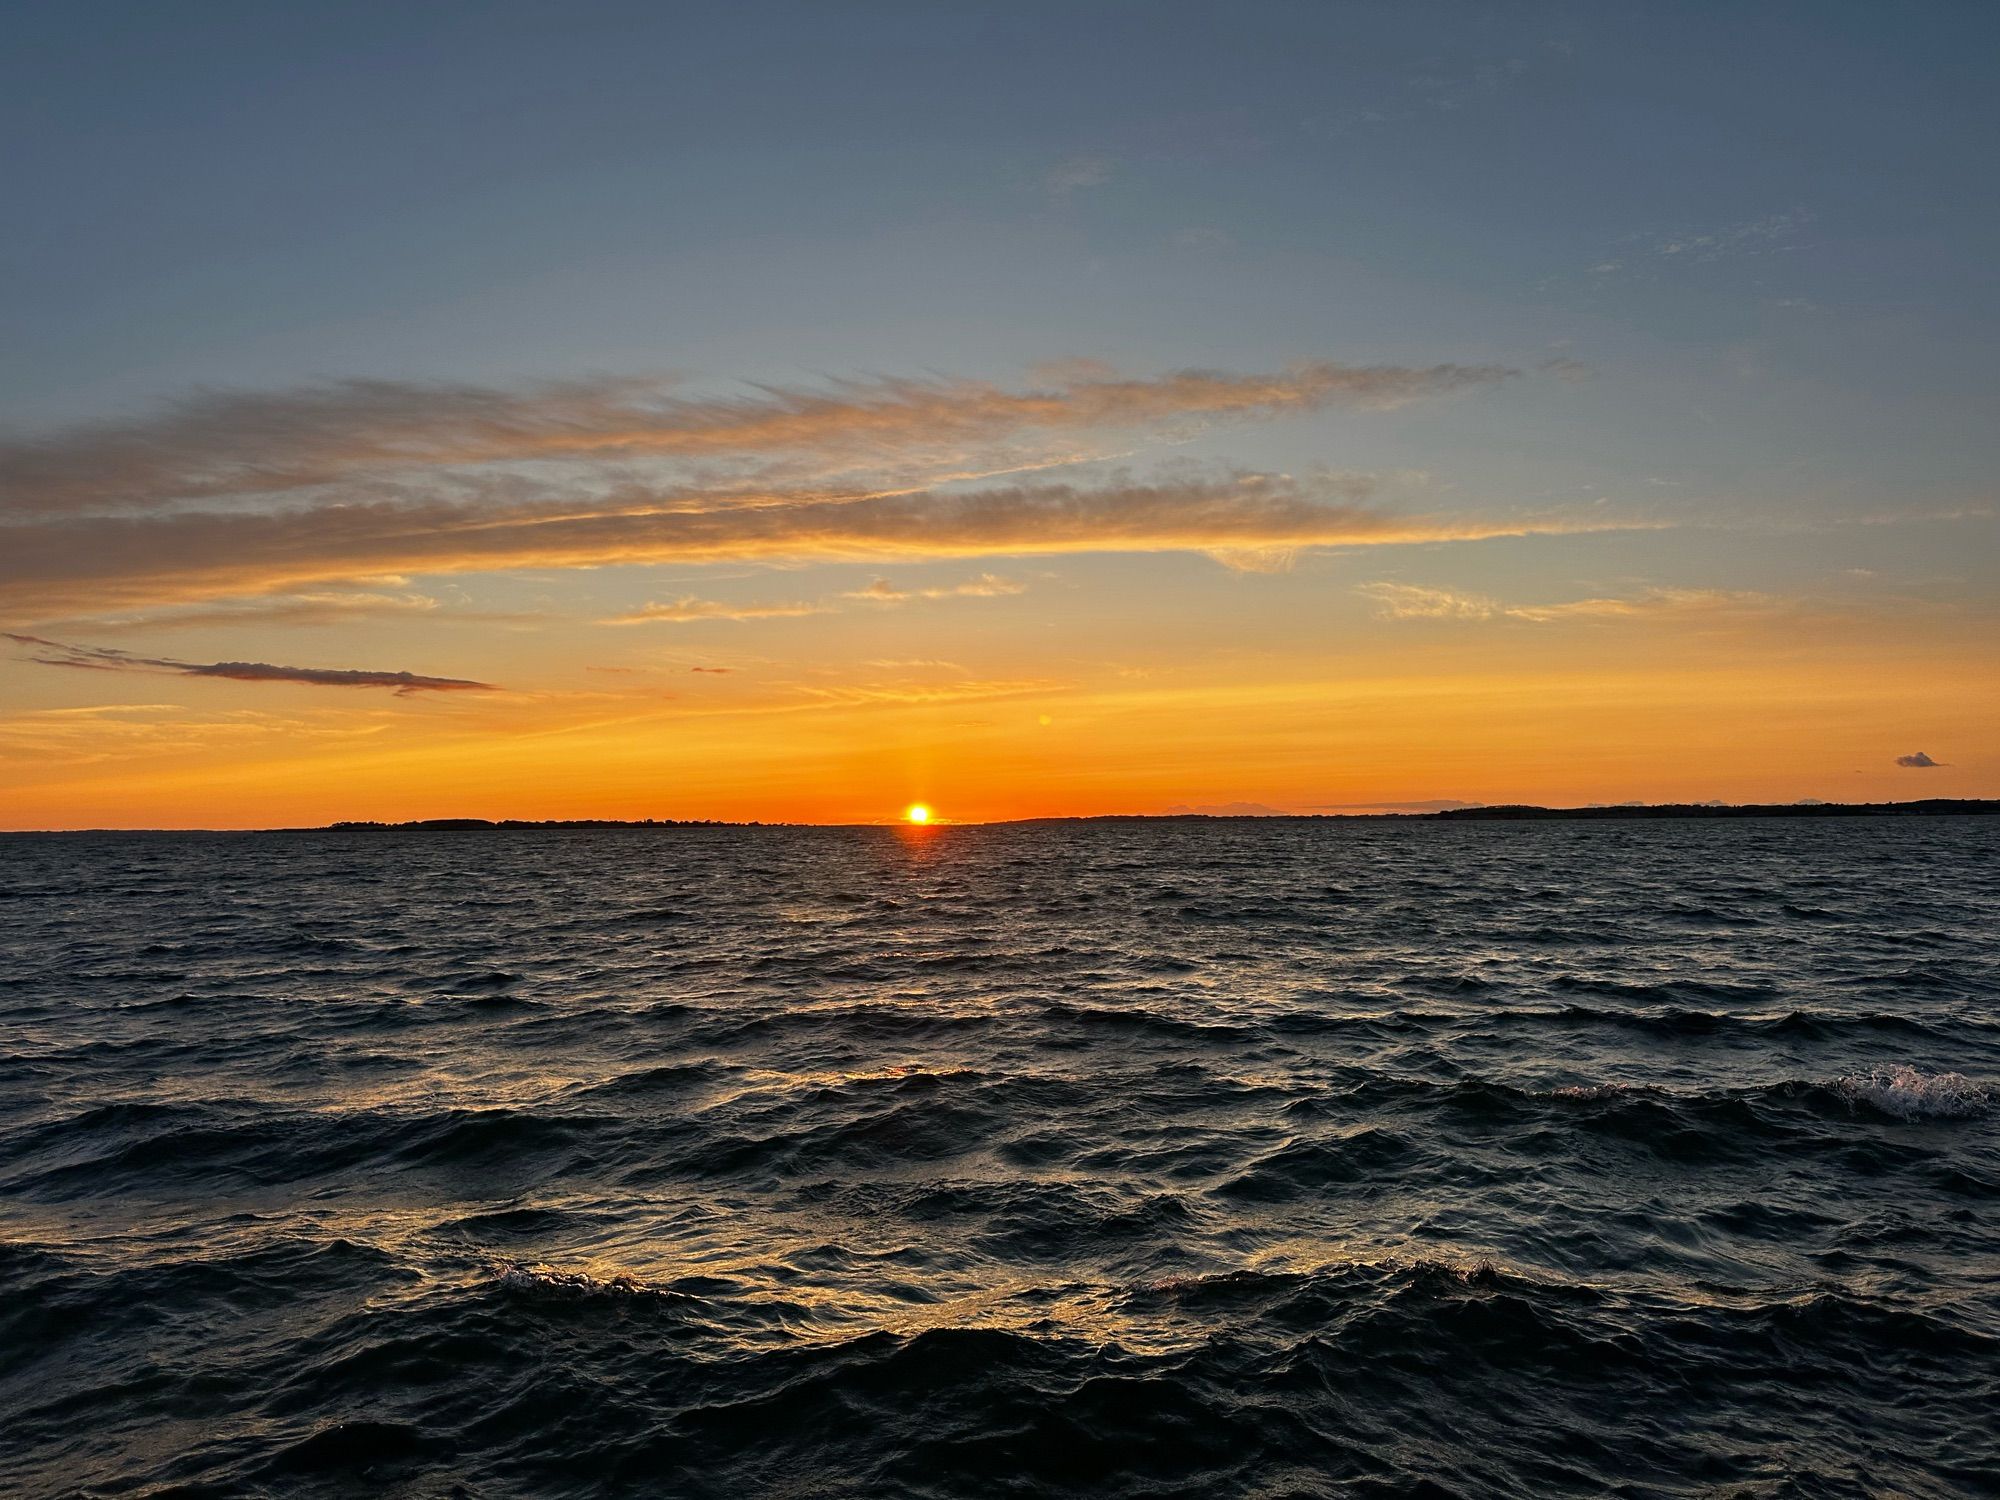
(1908,1094)
(545,1284)
(170,1146)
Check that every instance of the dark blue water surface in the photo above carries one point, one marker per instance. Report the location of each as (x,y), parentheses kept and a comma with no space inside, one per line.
(1129,1159)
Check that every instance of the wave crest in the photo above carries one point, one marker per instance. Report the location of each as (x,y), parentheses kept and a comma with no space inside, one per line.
(542,1282)
(1909,1094)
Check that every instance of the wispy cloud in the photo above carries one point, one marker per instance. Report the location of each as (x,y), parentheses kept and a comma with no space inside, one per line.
(1202,238)
(1654,603)
(286,493)
(1409,601)
(243,445)
(328,607)
(1647,254)
(1404,601)
(690,610)
(50,653)
(1073,173)
(1441,87)
(856,694)
(985,586)
(69,563)
(1749,236)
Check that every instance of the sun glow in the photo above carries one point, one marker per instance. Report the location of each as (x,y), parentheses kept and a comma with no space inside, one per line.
(917,812)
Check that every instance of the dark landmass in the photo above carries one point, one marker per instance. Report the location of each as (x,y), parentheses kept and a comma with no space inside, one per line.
(481,825)
(1927,807)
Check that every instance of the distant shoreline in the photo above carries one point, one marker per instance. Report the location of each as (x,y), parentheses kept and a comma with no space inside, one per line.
(1927,807)
(1510,813)
(1924,807)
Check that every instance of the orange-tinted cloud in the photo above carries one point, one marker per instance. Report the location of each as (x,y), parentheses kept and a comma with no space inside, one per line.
(1406,601)
(688,610)
(241,444)
(72,563)
(985,586)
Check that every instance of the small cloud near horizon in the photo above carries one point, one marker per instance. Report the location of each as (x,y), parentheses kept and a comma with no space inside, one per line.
(1920,762)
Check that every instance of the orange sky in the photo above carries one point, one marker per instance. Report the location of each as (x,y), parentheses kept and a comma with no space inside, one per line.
(1305,407)
(1058,688)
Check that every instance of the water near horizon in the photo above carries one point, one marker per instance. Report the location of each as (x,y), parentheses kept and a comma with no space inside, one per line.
(1132,1159)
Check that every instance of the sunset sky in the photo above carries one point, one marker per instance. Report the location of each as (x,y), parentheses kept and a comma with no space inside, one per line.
(794,412)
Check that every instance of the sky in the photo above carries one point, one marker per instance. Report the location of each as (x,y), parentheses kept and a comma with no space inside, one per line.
(792,412)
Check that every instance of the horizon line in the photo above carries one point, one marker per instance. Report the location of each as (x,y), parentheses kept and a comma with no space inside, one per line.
(1471,813)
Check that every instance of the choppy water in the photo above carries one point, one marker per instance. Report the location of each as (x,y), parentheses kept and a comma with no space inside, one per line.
(1118,1159)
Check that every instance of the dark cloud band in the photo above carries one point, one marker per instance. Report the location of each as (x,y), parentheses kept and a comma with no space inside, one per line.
(108,659)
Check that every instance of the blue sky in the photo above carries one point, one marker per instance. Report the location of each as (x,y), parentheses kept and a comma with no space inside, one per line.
(261,193)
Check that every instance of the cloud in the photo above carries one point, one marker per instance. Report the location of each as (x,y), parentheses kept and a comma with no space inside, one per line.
(1441,87)
(243,447)
(1075,172)
(108,659)
(1409,601)
(1653,603)
(1751,236)
(985,586)
(1642,255)
(1919,762)
(1405,601)
(65,563)
(1203,238)
(857,694)
(689,610)
(329,607)
(232,493)
(285,495)
(713,671)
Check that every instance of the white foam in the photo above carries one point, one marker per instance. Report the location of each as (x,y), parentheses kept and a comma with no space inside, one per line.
(1910,1095)
(539,1281)
(1590,1092)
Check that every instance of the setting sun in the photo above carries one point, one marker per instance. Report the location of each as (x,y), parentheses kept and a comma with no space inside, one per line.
(916,812)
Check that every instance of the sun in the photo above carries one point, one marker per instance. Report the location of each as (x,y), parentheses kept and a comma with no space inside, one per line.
(917,812)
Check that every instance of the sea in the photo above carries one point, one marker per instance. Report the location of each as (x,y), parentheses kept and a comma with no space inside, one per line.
(1200,1158)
